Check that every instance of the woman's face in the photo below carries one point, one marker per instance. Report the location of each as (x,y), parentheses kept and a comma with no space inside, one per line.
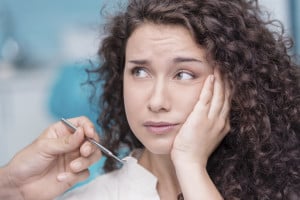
(163,77)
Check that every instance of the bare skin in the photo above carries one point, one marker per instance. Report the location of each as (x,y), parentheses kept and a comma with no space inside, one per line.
(183,105)
(54,162)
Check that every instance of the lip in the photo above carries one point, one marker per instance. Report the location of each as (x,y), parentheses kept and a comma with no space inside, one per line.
(160,127)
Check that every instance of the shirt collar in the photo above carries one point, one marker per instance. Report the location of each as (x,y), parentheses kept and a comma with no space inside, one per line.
(140,178)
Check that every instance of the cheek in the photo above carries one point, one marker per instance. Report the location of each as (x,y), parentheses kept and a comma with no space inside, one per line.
(133,99)
(129,97)
(186,98)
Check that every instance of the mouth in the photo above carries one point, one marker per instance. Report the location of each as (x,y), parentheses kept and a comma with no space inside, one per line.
(160,127)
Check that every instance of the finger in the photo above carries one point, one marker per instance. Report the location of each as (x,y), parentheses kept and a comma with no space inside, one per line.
(90,132)
(81,121)
(83,163)
(69,179)
(63,144)
(60,129)
(85,123)
(226,128)
(227,101)
(87,149)
(203,104)
(218,96)
(206,95)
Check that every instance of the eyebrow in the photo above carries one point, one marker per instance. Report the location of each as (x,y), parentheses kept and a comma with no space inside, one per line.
(175,60)
(185,59)
(139,62)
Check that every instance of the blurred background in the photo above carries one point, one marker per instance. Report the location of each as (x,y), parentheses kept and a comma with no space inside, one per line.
(44,48)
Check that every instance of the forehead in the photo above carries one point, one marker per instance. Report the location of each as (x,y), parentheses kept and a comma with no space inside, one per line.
(160,32)
(161,39)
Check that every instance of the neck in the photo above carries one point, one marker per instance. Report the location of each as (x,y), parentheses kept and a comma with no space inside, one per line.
(162,167)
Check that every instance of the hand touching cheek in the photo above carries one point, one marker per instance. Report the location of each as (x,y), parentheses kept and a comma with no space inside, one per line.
(206,125)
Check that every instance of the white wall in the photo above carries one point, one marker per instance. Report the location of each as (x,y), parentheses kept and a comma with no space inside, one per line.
(279,9)
(23,110)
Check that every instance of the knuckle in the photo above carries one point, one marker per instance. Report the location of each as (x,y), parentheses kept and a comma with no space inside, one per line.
(83,118)
(222,123)
(228,127)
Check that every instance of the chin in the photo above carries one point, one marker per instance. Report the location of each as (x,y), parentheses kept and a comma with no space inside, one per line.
(159,149)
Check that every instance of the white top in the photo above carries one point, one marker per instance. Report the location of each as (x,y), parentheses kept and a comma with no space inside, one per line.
(132,182)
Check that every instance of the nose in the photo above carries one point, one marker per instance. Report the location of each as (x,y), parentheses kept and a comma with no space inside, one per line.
(159,98)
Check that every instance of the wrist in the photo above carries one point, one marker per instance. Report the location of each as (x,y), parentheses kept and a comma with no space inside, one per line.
(184,166)
(194,177)
(184,161)
(186,157)
(8,189)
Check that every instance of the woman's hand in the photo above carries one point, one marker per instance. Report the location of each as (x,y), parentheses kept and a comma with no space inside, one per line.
(199,136)
(53,162)
(206,125)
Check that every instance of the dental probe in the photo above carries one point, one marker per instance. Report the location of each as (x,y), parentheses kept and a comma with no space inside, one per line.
(102,148)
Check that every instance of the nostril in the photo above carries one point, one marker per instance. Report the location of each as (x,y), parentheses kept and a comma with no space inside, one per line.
(159,100)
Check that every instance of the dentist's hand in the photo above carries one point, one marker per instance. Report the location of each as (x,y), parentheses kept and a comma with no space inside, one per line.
(54,162)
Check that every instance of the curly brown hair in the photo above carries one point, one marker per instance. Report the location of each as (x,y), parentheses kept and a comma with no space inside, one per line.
(260,157)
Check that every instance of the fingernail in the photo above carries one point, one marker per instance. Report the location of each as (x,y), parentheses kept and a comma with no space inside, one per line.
(62,176)
(87,149)
(76,165)
(91,131)
(78,131)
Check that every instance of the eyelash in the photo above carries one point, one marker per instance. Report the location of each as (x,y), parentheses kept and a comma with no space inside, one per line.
(134,71)
(186,72)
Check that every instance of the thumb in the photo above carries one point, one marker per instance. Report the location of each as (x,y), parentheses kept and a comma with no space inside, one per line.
(65,144)
(72,178)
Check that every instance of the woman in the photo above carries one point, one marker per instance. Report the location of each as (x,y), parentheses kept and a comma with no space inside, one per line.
(172,70)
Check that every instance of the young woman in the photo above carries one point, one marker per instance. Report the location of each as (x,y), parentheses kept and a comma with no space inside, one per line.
(172,70)
(204,96)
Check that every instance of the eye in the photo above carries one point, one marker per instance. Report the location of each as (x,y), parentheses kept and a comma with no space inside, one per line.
(140,72)
(184,75)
